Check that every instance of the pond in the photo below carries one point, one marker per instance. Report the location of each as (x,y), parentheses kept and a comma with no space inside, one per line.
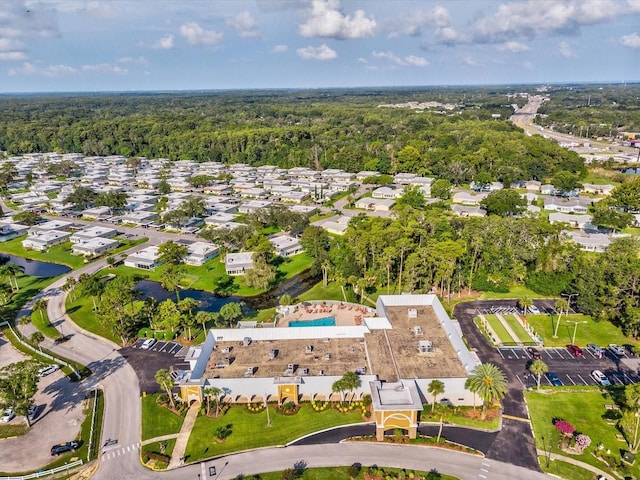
(35,268)
(211,302)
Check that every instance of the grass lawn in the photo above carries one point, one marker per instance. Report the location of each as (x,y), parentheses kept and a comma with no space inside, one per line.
(498,327)
(342,473)
(584,409)
(601,332)
(463,416)
(28,287)
(517,328)
(518,291)
(13,430)
(40,320)
(250,430)
(157,420)
(81,312)
(563,469)
(155,447)
(58,254)
(331,292)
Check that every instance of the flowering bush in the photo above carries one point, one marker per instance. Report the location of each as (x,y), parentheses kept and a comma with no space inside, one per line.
(565,427)
(582,441)
(255,407)
(319,405)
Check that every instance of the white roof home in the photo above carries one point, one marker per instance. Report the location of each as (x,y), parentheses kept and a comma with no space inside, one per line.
(532,185)
(9,231)
(200,253)
(44,239)
(90,233)
(145,259)
(286,245)
(140,217)
(238,263)
(94,246)
(468,198)
(375,204)
(336,225)
(293,197)
(387,192)
(575,221)
(96,212)
(253,205)
(597,189)
(218,218)
(51,225)
(567,205)
(468,211)
(591,242)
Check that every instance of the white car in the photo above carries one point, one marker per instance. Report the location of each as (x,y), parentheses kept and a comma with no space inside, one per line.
(601,378)
(7,416)
(533,310)
(31,412)
(44,371)
(617,349)
(147,344)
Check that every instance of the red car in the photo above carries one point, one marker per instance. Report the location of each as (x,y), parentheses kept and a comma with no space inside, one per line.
(575,350)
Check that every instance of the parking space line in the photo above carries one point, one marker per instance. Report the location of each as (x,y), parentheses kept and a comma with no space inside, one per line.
(175,345)
(583,380)
(500,352)
(158,347)
(559,352)
(521,382)
(547,351)
(570,379)
(165,346)
(627,377)
(515,354)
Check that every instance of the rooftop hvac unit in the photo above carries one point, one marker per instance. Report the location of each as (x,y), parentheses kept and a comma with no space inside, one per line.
(425,346)
(413,313)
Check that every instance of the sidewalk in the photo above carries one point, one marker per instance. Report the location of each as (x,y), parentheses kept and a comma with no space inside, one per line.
(183,437)
(578,463)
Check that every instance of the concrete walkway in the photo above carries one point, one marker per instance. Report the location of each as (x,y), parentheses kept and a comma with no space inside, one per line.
(578,463)
(183,436)
(161,438)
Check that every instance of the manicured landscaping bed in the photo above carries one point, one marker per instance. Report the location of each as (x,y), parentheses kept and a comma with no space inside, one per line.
(585,410)
(463,416)
(601,332)
(345,473)
(158,420)
(518,329)
(250,430)
(498,328)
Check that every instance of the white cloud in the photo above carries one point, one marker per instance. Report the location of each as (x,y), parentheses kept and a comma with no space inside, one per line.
(323,53)
(100,9)
(631,41)
(633,6)
(12,56)
(408,61)
(133,61)
(29,68)
(166,42)
(196,35)
(513,46)
(245,24)
(20,18)
(9,44)
(105,68)
(279,49)
(325,19)
(416,23)
(564,50)
(532,18)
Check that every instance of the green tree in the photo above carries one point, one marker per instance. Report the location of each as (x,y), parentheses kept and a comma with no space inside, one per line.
(202,318)
(213,393)
(230,313)
(69,286)
(608,216)
(489,383)
(168,315)
(561,306)
(171,278)
(19,384)
(163,378)
(163,187)
(193,206)
(412,197)
(27,217)
(82,197)
(538,368)
(40,305)
(505,202)
(200,181)
(525,302)
(441,189)
(435,388)
(92,286)
(116,201)
(262,275)
(11,271)
(627,195)
(350,381)
(565,181)
(115,308)
(186,307)
(172,253)
(36,338)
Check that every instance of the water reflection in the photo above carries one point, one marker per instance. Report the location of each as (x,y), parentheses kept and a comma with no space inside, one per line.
(35,268)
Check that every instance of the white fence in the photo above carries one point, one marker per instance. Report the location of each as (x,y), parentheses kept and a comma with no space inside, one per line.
(44,473)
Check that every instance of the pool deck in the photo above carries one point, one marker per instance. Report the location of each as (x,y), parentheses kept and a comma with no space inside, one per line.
(346,314)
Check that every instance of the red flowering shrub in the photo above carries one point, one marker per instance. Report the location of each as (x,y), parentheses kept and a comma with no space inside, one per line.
(565,427)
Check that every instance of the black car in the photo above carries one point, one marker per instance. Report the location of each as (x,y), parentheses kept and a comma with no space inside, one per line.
(535,354)
(64,447)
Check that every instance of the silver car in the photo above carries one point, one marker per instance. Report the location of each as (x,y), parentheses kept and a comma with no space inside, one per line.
(595,350)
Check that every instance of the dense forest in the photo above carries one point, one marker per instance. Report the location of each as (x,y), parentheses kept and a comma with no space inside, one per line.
(344,129)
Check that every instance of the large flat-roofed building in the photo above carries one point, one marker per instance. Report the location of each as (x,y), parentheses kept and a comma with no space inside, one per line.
(408,342)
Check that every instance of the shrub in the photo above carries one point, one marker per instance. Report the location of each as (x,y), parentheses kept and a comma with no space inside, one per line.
(564,427)
(366,400)
(582,440)
(158,457)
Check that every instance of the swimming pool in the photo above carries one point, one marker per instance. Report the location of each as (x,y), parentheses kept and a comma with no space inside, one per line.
(318,322)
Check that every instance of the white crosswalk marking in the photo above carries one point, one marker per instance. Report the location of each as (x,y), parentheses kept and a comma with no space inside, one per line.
(121,451)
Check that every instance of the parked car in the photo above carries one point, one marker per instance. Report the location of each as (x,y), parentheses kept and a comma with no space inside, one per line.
(44,371)
(533,310)
(64,447)
(148,343)
(575,350)
(595,350)
(554,379)
(8,415)
(535,354)
(616,349)
(31,412)
(600,378)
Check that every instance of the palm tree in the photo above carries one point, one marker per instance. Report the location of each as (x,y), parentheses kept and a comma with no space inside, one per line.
(538,368)
(349,381)
(12,270)
(214,392)
(36,338)
(40,305)
(435,388)
(561,305)
(489,383)
(202,318)
(326,266)
(170,279)
(92,286)
(69,286)
(163,378)
(525,303)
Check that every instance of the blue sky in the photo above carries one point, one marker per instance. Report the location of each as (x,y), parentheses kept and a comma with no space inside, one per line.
(118,45)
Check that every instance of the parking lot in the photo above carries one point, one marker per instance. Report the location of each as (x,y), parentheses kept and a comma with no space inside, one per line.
(146,362)
(572,370)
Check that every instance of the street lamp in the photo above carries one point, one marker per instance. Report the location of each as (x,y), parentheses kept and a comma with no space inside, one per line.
(635,434)
(575,327)
(546,454)
(569,295)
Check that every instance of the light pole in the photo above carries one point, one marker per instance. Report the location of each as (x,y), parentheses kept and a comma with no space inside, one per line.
(575,327)
(546,454)
(569,295)
(635,434)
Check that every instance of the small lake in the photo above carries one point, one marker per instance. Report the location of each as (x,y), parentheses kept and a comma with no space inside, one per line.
(36,268)
(211,302)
